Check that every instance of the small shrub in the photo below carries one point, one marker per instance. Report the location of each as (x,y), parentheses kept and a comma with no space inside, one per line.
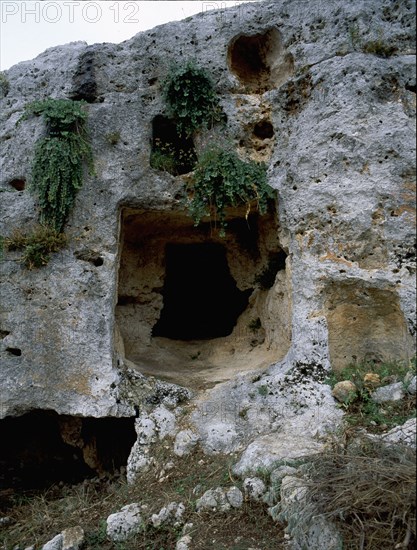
(191,99)
(36,246)
(163,159)
(221,180)
(379,47)
(263,390)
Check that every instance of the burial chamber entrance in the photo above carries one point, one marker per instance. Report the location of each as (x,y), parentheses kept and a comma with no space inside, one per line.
(42,448)
(194,308)
(201,298)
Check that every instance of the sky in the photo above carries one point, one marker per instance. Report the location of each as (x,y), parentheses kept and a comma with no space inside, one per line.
(29,28)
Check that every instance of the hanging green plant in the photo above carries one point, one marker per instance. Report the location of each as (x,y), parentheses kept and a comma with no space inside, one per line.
(191,99)
(222,180)
(57,170)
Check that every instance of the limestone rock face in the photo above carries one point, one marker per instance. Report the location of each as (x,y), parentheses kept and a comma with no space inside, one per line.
(329,107)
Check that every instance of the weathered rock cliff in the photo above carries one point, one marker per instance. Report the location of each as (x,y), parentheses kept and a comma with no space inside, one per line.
(324,92)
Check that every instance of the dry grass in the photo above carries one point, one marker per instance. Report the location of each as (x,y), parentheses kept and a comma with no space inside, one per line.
(368,489)
(38,518)
(37,246)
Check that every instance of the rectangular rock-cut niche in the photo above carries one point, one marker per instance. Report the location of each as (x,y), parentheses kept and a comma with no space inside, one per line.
(365,324)
(190,301)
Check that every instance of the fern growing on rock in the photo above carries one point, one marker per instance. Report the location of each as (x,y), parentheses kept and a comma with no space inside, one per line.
(57,171)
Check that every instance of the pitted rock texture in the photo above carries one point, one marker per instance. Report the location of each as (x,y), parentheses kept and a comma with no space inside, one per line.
(328,100)
(125,523)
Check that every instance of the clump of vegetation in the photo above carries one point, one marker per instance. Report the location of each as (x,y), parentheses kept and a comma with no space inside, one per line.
(57,171)
(191,99)
(361,410)
(163,158)
(379,48)
(221,180)
(263,390)
(368,490)
(37,246)
(4,85)
(113,138)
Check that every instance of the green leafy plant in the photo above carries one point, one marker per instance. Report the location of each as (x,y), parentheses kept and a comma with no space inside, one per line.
(37,246)
(57,170)
(191,99)
(163,158)
(221,180)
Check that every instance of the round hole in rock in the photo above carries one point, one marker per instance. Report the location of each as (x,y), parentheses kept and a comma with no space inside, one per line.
(259,60)
(14,351)
(263,130)
(201,299)
(19,184)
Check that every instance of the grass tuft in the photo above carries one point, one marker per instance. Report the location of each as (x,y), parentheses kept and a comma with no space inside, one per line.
(37,246)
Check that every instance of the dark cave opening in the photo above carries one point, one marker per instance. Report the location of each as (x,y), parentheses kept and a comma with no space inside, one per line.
(201,298)
(41,448)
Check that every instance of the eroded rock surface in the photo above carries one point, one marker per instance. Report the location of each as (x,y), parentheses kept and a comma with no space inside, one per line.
(324,96)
